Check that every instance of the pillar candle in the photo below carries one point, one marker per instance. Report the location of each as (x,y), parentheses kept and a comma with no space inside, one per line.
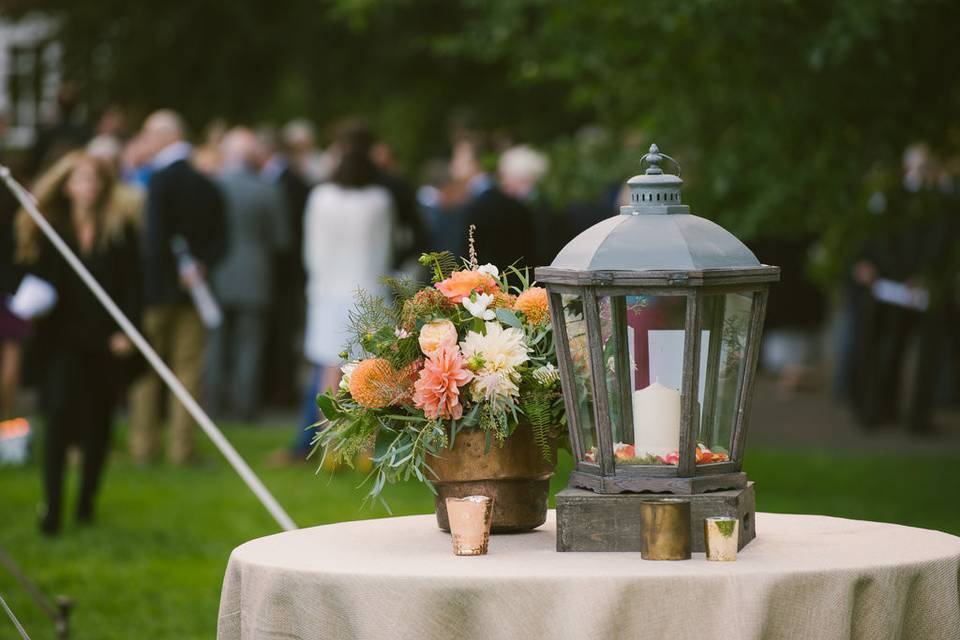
(656,420)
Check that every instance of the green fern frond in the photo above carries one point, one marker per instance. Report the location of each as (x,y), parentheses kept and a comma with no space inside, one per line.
(440,263)
(402,289)
(537,405)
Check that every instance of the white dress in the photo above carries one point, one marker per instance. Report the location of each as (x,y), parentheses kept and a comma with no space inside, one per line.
(346,247)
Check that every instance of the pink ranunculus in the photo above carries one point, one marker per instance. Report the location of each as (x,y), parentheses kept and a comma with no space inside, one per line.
(437,334)
(461,284)
(437,390)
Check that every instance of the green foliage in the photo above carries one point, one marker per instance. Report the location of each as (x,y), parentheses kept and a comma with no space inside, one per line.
(402,454)
(367,321)
(785,115)
(538,407)
(780,112)
(406,351)
(509,318)
(440,263)
(402,289)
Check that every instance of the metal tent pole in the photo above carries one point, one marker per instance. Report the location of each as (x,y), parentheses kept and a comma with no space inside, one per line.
(236,461)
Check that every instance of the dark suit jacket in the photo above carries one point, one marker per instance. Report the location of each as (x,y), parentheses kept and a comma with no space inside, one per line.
(295,190)
(409,237)
(180,201)
(505,229)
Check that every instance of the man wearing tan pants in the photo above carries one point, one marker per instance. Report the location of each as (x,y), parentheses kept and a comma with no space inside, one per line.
(180,203)
(177,334)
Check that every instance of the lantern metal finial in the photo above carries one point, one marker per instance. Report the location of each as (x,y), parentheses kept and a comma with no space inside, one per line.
(655,192)
(654,158)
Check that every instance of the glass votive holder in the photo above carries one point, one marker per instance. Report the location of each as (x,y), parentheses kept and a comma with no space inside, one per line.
(721,537)
(470,520)
(665,529)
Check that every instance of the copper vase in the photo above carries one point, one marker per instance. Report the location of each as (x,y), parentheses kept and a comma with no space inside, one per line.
(515,475)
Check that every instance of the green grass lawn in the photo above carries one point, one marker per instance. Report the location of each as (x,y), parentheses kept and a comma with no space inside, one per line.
(152,565)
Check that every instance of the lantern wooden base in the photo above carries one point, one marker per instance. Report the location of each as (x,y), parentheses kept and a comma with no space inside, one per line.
(652,484)
(588,521)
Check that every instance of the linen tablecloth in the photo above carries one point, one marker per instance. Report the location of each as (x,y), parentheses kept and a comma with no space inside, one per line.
(803,578)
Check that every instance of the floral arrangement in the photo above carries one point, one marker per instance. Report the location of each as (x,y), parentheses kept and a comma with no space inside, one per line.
(474,350)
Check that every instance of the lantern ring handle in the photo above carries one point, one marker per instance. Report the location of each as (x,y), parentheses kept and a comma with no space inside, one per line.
(654,157)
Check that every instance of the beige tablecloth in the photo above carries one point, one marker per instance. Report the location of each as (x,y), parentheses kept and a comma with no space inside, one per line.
(803,578)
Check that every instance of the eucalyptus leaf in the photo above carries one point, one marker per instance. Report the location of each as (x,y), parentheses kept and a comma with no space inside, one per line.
(509,318)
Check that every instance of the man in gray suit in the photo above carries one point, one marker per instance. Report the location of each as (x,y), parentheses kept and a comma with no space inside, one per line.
(257,229)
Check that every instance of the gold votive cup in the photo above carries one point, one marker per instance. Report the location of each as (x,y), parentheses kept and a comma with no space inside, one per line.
(665,526)
(470,520)
(721,537)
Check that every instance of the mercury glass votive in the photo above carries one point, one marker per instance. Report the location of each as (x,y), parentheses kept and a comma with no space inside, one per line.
(721,537)
(470,520)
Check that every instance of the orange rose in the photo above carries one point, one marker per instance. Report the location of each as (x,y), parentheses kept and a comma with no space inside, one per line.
(461,284)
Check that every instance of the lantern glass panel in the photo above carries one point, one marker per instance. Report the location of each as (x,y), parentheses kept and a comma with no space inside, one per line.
(652,331)
(580,360)
(725,325)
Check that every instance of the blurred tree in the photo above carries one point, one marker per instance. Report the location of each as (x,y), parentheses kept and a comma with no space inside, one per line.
(279,58)
(780,110)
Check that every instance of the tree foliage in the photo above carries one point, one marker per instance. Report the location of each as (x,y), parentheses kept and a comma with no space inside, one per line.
(782,112)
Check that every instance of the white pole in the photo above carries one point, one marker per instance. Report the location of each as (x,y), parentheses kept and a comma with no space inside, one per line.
(13,619)
(238,463)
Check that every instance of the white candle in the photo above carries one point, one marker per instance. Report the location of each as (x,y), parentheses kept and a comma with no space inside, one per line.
(656,420)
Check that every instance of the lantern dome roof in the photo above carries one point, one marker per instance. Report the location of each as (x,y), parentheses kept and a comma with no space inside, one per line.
(677,241)
(655,232)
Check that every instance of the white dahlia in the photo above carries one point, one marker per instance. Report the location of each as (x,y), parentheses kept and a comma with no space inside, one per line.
(496,356)
(495,386)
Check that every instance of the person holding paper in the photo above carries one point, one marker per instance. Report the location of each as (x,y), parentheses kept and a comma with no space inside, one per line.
(85,358)
(181,202)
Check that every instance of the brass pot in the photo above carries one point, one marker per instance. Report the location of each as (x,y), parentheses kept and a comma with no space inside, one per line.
(514,475)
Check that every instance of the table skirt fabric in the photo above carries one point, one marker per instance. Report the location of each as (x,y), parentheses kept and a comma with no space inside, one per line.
(804,577)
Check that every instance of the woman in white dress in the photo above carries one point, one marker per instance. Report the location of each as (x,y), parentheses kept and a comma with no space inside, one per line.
(346,247)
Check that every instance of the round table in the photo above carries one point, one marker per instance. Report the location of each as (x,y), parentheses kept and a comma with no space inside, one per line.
(803,578)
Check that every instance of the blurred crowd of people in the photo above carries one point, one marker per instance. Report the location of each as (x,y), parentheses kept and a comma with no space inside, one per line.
(238,256)
(899,350)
